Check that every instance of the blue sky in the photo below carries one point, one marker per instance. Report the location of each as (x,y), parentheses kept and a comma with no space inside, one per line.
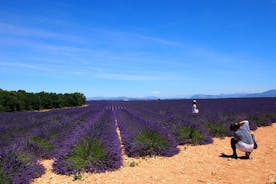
(138,48)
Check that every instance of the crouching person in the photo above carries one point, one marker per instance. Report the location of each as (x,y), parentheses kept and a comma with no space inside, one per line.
(242,139)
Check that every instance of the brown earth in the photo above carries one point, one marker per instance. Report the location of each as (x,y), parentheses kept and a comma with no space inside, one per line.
(193,164)
(46,110)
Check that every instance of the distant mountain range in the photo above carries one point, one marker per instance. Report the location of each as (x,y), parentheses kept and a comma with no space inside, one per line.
(123,98)
(270,93)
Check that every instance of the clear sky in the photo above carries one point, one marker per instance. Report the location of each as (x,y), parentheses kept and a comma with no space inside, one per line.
(138,48)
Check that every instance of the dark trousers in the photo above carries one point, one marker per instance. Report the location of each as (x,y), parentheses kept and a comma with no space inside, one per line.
(233,145)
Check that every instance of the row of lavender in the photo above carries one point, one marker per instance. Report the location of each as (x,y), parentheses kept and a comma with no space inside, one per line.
(19,136)
(93,148)
(28,137)
(215,115)
(142,138)
(182,130)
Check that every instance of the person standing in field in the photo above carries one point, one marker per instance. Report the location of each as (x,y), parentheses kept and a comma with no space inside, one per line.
(195,109)
(243,140)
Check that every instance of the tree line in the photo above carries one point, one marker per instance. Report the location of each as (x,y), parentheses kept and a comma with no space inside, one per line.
(25,101)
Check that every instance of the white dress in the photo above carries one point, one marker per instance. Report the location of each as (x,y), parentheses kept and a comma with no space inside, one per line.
(195,109)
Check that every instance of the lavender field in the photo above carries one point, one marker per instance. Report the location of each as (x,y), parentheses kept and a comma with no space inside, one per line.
(85,139)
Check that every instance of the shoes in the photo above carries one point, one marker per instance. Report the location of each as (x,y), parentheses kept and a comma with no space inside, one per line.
(235,156)
(247,154)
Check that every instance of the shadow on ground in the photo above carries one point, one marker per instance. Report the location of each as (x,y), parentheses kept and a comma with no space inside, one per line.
(223,155)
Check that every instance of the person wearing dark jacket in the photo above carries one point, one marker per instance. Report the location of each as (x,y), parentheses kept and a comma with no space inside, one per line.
(242,139)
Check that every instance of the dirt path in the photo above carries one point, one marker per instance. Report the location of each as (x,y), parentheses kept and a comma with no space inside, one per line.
(193,164)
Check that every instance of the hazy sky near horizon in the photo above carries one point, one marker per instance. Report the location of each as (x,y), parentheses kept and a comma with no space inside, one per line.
(138,48)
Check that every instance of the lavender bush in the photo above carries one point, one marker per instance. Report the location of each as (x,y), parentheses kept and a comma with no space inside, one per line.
(18,166)
(96,148)
(142,137)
